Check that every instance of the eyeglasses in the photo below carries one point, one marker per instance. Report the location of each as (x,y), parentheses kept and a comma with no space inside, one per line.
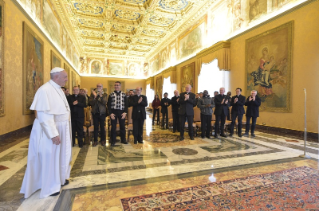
(116,85)
(98,86)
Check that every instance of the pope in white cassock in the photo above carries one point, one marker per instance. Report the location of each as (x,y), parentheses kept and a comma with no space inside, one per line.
(49,155)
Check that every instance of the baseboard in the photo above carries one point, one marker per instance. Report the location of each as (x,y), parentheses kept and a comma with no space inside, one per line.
(288,132)
(15,133)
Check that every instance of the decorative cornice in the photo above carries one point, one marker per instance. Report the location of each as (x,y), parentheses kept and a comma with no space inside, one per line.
(213,48)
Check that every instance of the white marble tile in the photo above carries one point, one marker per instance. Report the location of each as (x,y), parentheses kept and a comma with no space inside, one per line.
(34,203)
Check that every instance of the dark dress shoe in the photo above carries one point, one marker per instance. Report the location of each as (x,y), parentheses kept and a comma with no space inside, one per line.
(141,142)
(239,135)
(80,146)
(112,144)
(245,135)
(253,135)
(181,138)
(55,194)
(103,143)
(223,135)
(135,141)
(66,183)
(207,136)
(95,143)
(124,142)
(202,136)
(192,138)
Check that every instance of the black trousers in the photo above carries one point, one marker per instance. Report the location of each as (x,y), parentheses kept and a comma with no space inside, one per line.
(118,116)
(206,125)
(233,122)
(175,121)
(163,117)
(77,127)
(154,112)
(99,122)
(138,129)
(253,124)
(220,118)
(190,125)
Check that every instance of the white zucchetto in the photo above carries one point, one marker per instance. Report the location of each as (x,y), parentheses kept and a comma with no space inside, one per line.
(56,70)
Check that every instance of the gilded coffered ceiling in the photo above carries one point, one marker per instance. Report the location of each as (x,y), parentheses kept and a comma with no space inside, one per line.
(125,28)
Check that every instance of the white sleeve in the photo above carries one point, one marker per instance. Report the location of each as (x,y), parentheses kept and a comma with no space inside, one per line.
(47,123)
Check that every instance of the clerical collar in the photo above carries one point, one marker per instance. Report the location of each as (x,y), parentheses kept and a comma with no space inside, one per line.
(76,95)
(54,84)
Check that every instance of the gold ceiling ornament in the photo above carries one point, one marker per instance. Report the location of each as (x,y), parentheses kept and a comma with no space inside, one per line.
(92,49)
(123,28)
(146,41)
(93,43)
(128,16)
(113,51)
(89,34)
(153,32)
(88,9)
(91,24)
(141,4)
(161,20)
(135,53)
(141,48)
(120,39)
(118,46)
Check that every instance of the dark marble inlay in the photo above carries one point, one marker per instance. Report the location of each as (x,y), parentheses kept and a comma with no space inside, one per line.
(162,138)
(185,151)
(3,168)
(15,156)
(227,145)
(314,151)
(117,154)
(79,163)
(10,197)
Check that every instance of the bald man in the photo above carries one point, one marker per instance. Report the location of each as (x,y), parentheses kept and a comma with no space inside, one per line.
(187,101)
(139,103)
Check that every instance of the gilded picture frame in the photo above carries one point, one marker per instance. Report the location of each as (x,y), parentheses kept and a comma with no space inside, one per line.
(55,61)
(115,67)
(2,31)
(33,56)
(67,70)
(188,75)
(269,67)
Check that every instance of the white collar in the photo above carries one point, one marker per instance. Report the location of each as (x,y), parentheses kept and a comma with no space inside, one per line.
(54,84)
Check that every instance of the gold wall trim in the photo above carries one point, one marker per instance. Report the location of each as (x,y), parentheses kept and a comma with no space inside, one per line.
(213,48)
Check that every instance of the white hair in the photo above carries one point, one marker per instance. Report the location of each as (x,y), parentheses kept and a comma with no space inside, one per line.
(253,91)
(52,75)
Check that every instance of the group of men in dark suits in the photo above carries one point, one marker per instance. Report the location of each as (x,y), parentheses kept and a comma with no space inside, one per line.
(237,102)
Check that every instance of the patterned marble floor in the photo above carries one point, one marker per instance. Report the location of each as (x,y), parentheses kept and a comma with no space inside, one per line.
(101,176)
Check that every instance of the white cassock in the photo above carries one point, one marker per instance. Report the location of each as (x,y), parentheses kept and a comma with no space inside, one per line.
(48,164)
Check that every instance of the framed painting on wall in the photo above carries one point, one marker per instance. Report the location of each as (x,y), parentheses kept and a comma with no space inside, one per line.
(55,60)
(159,86)
(32,66)
(67,70)
(188,76)
(115,67)
(269,67)
(192,40)
(1,58)
(111,86)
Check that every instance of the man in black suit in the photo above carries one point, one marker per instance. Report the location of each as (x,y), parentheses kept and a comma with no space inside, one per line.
(253,102)
(139,102)
(130,98)
(237,103)
(77,104)
(175,107)
(221,111)
(187,101)
(165,102)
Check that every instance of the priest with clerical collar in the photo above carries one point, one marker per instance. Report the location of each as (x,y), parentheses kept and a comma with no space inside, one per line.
(139,103)
(117,105)
(237,111)
(49,155)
